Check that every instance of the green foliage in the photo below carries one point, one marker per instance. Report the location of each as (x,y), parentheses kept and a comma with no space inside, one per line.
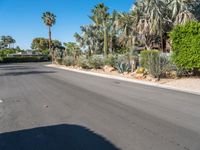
(83,62)
(5,52)
(146,55)
(186,45)
(69,61)
(72,49)
(23,59)
(96,61)
(155,63)
(110,60)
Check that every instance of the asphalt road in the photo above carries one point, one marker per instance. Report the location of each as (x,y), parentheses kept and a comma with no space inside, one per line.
(50,109)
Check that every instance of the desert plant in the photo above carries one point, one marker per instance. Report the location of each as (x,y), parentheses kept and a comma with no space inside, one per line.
(59,61)
(69,61)
(156,63)
(110,60)
(83,62)
(123,63)
(96,61)
(123,67)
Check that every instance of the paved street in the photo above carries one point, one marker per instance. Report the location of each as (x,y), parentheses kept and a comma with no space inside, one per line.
(44,108)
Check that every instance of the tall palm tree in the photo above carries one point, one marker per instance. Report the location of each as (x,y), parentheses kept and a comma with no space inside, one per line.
(100,17)
(49,20)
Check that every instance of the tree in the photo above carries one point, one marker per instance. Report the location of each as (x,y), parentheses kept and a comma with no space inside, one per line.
(49,20)
(40,44)
(127,26)
(183,10)
(6,42)
(72,49)
(100,17)
(90,39)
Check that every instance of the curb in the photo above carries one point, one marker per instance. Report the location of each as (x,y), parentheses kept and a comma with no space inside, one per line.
(126,79)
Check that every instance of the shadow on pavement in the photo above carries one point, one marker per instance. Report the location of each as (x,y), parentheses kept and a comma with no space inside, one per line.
(25,73)
(58,137)
(15,67)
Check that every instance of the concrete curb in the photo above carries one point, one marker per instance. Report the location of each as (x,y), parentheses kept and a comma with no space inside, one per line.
(126,79)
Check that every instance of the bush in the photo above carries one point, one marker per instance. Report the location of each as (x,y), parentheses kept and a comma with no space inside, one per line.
(83,62)
(96,61)
(110,60)
(69,61)
(186,46)
(123,63)
(59,61)
(156,63)
(23,59)
(5,52)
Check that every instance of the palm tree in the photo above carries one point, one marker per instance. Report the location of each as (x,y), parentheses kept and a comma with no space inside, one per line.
(100,17)
(49,20)
(152,20)
(182,10)
(127,25)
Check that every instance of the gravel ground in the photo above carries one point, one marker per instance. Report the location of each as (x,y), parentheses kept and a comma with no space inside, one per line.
(185,83)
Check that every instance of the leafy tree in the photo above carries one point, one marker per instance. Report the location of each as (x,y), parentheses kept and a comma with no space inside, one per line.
(40,44)
(49,20)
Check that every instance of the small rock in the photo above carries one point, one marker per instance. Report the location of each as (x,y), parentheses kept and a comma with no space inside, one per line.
(108,69)
(139,76)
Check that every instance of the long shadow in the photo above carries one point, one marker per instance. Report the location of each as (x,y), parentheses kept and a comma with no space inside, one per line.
(11,67)
(25,73)
(58,137)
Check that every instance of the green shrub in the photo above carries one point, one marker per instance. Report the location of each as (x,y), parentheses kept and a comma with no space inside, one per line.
(155,62)
(96,61)
(5,52)
(59,61)
(18,59)
(186,46)
(69,61)
(110,60)
(83,62)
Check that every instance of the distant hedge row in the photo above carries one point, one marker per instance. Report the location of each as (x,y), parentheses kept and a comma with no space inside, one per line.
(23,59)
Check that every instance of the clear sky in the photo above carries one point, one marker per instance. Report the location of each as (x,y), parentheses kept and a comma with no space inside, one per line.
(21,19)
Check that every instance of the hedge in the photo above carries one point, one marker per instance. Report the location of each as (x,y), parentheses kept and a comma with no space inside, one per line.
(186,45)
(24,59)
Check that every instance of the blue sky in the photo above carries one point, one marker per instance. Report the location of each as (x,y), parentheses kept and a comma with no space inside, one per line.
(22,18)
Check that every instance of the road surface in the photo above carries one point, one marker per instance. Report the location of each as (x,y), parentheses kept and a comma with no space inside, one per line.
(45,108)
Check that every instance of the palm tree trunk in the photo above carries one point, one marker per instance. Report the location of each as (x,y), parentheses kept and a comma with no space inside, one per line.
(105,48)
(50,48)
